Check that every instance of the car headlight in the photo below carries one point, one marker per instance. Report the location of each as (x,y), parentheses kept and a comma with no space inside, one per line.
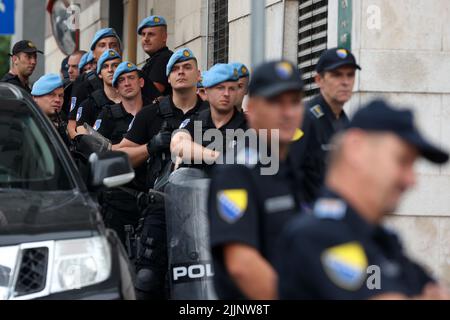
(80,263)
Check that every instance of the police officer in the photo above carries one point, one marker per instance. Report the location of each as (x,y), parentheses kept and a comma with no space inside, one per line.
(149,137)
(48,93)
(119,205)
(153,32)
(145,137)
(221,84)
(100,98)
(73,72)
(248,206)
(23,63)
(328,255)
(114,121)
(244,79)
(324,117)
(87,83)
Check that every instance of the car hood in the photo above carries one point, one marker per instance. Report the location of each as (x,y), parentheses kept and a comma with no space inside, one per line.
(28,216)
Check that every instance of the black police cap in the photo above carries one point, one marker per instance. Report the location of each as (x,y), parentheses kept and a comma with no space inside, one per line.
(334,58)
(24,46)
(379,116)
(273,78)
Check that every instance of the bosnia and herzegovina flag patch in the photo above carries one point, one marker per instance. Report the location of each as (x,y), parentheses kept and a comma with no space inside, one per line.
(346,265)
(232,204)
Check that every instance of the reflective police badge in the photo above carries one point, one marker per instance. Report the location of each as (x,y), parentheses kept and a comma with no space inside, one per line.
(328,208)
(231,204)
(79,113)
(97,124)
(73,103)
(184,123)
(131,124)
(317,111)
(346,265)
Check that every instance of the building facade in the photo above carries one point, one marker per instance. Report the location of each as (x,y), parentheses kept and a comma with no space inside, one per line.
(403,47)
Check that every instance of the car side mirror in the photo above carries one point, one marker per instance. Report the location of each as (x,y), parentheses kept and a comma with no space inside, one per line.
(109,169)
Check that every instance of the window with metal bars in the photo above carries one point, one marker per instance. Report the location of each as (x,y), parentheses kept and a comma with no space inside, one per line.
(218,32)
(312,39)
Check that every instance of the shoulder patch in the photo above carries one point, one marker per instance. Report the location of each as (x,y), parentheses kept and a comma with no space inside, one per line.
(79,113)
(97,124)
(346,265)
(184,123)
(297,135)
(73,102)
(317,111)
(327,208)
(232,204)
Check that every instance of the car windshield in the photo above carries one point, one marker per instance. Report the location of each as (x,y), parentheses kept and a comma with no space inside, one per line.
(28,159)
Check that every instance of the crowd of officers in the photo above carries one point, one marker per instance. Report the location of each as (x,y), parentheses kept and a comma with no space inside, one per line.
(309,231)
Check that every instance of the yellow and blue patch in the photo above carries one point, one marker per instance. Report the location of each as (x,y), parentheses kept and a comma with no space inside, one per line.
(346,265)
(342,53)
(284,70)
(297,135)
(232,204)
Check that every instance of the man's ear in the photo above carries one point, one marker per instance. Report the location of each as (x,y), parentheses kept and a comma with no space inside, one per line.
(141,82)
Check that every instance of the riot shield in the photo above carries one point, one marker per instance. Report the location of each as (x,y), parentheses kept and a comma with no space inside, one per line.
(190,261)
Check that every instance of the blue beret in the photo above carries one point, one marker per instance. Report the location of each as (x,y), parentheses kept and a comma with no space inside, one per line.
(124,67)
(106,56)
(88,57)
(103,33)
(46,84)
(152,21)
(219,73)
(241,68)
(183,54)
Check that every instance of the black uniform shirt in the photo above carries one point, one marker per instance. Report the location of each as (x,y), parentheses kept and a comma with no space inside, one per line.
(13,79)
(309,153)
(148,121)
(113,123)
(204,122)
(249,208)
(154,70)
(90,108)
(83,86)
(336,254)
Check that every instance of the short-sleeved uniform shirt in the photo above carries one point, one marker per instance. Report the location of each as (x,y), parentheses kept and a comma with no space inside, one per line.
(203,122)
(319,126)
(248,208)
(336,254)
(148,123)
(13,79)
(154,70)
